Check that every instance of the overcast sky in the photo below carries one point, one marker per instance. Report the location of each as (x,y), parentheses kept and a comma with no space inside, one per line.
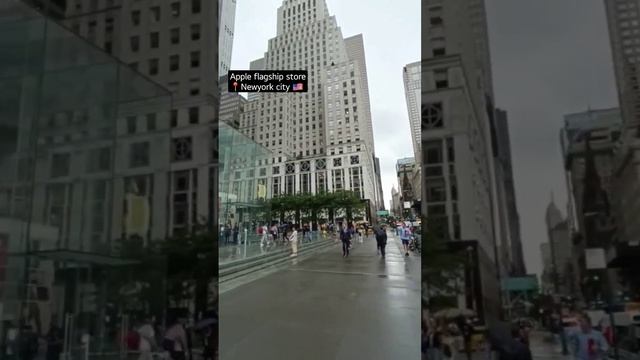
(391,33)
(550,58)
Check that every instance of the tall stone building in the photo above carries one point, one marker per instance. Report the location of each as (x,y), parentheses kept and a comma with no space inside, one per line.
(623,17)
(458,139)
(412,84)
(227,14)
(322,140)
(175,44)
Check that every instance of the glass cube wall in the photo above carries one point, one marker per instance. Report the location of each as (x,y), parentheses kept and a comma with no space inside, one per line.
(84,163)
(244,186)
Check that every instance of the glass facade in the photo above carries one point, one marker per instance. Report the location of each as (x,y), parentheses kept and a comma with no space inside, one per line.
(85,144)
(244,187)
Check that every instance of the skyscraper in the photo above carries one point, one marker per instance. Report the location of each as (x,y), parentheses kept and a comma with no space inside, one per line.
(623,17)
(458,141)
(322,140)
(225,42)
(412,84)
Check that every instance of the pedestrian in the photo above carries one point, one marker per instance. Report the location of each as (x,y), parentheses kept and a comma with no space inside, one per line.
(227,234)
(381,240)
(293,240)
(588,343)
(55,341)
(345,236)
(147,344)
(405,236)
(175,340)
(265,236)
(236,232)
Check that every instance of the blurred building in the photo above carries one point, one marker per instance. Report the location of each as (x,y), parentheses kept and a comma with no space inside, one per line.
(510,248)
(589,140)
(81,183)
(458,138)
(623,18)
(412,83)
(559,272)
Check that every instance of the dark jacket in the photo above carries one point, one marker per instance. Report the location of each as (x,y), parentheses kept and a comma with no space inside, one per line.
(381,236)
(345,235)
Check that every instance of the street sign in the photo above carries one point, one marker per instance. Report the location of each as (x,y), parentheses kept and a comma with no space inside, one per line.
(382,213)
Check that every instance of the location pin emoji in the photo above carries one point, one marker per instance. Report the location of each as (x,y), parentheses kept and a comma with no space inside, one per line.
(235,86)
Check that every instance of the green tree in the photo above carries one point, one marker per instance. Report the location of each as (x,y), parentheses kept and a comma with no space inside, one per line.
(440,266)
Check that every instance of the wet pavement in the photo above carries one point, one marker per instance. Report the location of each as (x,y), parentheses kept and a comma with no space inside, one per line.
(328,307)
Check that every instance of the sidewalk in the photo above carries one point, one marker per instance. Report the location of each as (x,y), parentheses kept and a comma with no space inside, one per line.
(233,252)
(328,307)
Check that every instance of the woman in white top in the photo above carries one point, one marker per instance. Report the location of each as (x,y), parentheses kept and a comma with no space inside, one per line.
(293,239)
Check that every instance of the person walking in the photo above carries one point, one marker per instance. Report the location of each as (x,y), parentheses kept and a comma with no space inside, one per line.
(381,239)
(405,236)
(55,340)
(264,242)
(236,232)
(345,236)
(175,340)
(588,343)
(147,343)
(293,240)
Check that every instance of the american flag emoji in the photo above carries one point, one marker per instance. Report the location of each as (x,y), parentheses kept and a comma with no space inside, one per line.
(297,87)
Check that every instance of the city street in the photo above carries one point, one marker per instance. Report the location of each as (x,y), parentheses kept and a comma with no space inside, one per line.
(328,307)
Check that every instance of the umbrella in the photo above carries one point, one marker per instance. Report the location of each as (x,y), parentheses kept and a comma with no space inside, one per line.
(453,313)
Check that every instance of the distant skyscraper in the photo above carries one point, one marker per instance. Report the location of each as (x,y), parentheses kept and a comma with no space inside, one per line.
(322,140)
(412,85)
(227,25)
(511,243)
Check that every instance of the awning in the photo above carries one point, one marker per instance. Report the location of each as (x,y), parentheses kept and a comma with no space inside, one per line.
(78,258)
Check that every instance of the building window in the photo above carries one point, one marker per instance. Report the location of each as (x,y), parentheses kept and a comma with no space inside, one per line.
(195,59)
(436,21)
(355,159)
(131,124)
(153,66)
(442,78)
(450,151)
(135,17)
(155,14)
(154,40)
(195,32)
(175,9)
(337,162)
(182,148)
(135,43)
(276,186)
(174,63)
(108,47)
(99,160)
(338,183)
(175,36)
(439,52)
(196,6)
(60,165)
(436,191)
(139,154)
(275,170)
(151,122)
(321,182)
(174,118)
(194,115)
(432,116)
(194,91)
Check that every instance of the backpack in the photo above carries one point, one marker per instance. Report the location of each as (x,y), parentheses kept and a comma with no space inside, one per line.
(133,340)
